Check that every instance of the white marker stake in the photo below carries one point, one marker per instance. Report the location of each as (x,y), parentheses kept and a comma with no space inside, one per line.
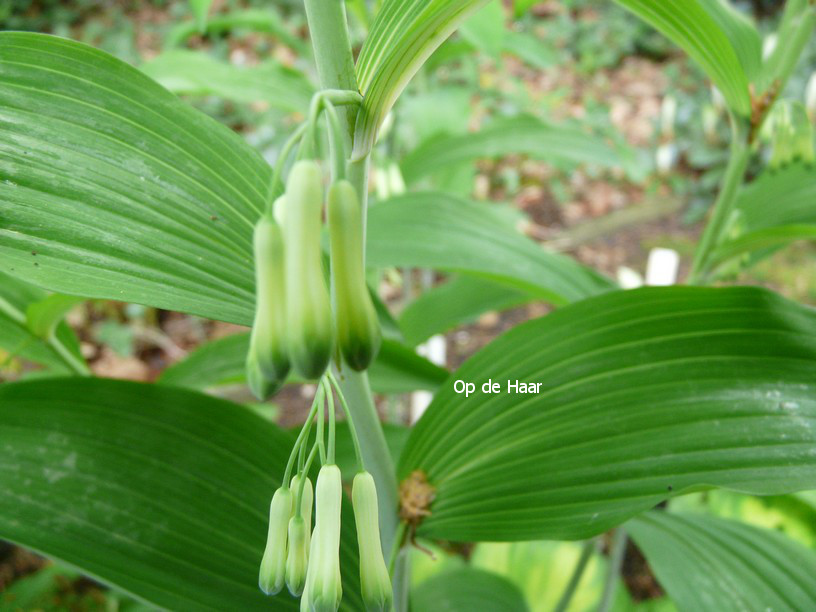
(661,270)
(435,349)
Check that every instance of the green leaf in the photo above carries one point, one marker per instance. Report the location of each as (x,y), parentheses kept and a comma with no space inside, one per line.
(702,29)
(485,29)
(44,315)
(397,368)
(198,74)
(643,395)
(761,228)
(122,190)
(201,9)
(468,589)
(708,563)
(266,21)
(523,134)
(740,31)
(130,484)
(790,514)
(522,6)
(437,230)
(58,351)
(542,571)
(453,303)
(793,191)
(213,364)
(404,34)
(531,49)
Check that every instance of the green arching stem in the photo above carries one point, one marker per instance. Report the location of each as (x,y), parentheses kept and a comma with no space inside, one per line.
(327,392)
(578,573)
(338,151)
(332,49)
(395,549)
(275,184)
(75,364)
(335,66)
(783,62)
(321,416)
(304,432)
(304,474)
(354,439)
(302,452)
(616,553)
(734,174)
(321,101)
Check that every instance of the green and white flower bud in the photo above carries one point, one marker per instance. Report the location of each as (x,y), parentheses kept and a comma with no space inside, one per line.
(310,336)
(300,527)
(375,583)
(267,350)
(273,565)
(323,586)
(297,556)
(358,328)
(260,385)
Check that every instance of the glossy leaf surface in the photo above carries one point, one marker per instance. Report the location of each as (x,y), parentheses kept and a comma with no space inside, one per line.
(468,589)
(122,190)
(437,230)
(709,563)
(163,493)
(643,395)
(404,34)
(709,33)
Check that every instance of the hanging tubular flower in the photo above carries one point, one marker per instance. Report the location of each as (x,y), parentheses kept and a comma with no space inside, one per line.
(309,337)
(358,329)
(268,360)
(300,526)
(273,565)
(375,583)
(323,588)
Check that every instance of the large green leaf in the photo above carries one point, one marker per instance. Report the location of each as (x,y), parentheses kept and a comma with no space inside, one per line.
(708,563)
(404,34)
(121,189)
(397,368)
(455,302)
(196,73)
(163,493)
(792,190)
(437,230)
(709,33)
(468,589)
(643,395)
(58,349)
(511,135)
(761,228)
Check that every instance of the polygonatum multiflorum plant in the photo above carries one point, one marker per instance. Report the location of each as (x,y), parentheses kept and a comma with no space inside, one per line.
(603,417)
